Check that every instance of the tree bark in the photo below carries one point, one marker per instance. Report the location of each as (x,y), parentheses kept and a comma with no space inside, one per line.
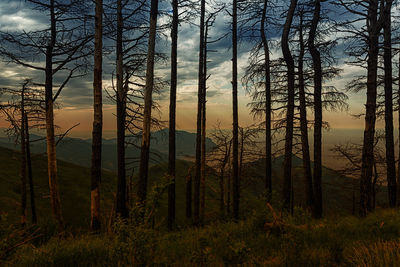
(30,174)
(287,164)
(308,181)
(398,128)
(389,138)
(50,139)
(235,145)
(148,103)
(97,119)
(172,115)
(24,209)
(121,208)
(268,157)
(316,58)
(196,200)
(370,114)
(203,132)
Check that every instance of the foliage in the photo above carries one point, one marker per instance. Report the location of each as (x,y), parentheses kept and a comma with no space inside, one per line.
(301,241)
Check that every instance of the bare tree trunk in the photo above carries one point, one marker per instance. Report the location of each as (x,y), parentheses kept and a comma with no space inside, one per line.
(317,111)
(390,158)
(97,119)
(308,182)
(30,174)
(203,133)
(121,208)
(235,139)
(398,128)
(268,157)
(287,164)
(370,114)
(148,103)
(24,209)
(172,116)
(196,210)
(50,139)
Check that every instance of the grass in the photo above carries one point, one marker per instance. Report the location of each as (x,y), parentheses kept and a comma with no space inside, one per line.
(263,239)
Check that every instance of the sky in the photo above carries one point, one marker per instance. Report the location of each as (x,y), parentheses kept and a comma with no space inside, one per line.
(76,98)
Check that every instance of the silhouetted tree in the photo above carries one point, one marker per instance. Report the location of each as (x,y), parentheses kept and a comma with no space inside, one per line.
(287,165)
(97,118)
(145,149)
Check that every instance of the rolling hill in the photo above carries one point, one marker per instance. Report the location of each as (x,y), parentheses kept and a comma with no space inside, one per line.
(74,183)
(78,151)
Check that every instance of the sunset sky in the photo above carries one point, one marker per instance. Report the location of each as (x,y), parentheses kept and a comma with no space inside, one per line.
(76,99)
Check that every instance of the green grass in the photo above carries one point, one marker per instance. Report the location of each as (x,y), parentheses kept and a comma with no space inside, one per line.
(290,241)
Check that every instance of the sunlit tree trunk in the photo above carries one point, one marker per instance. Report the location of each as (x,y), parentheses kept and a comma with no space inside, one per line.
(50,139)
(97,119)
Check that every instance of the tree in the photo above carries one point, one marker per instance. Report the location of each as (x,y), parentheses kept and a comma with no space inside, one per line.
(121,209)
(317,66)
(235,135)
(172,115)
(196,196)
(287,165)
(304,122)
(24,110)
(389,138)
(145,148)
(97,118)
(63,55)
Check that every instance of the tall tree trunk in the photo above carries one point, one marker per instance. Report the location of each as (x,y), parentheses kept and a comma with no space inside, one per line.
(50,139)
(203,132)
(235,144)
(97,119)
(268,157)
(287,164)
(390,158)
(196,200)
(148,103)
(316,58)
(398,129)
(370,114)
(24,209)
(172,116)
(308,182)
(121,208)
(30,174)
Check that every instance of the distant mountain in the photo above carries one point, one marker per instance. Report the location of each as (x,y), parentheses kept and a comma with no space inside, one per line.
(78,151)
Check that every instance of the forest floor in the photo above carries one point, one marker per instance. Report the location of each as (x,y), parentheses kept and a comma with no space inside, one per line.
(265,238)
